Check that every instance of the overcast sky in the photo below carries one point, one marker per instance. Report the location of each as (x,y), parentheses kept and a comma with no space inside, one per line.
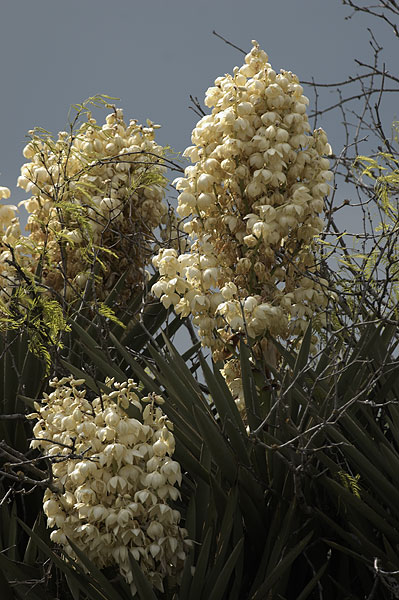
(152,54)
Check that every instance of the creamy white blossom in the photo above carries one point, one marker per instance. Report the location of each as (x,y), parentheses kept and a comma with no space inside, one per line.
(251,202)
(116,475)
(96,196)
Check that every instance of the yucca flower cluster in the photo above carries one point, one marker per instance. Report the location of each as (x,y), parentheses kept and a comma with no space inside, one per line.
(252,197)
(116,478)
(96,199)
(9,233)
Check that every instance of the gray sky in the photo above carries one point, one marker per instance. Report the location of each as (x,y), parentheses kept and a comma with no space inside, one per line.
(152,54)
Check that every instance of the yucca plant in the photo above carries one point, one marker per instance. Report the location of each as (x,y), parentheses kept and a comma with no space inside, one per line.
(294,497)
(291,495)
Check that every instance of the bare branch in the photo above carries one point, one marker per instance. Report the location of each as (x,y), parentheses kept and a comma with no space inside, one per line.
(229,43)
